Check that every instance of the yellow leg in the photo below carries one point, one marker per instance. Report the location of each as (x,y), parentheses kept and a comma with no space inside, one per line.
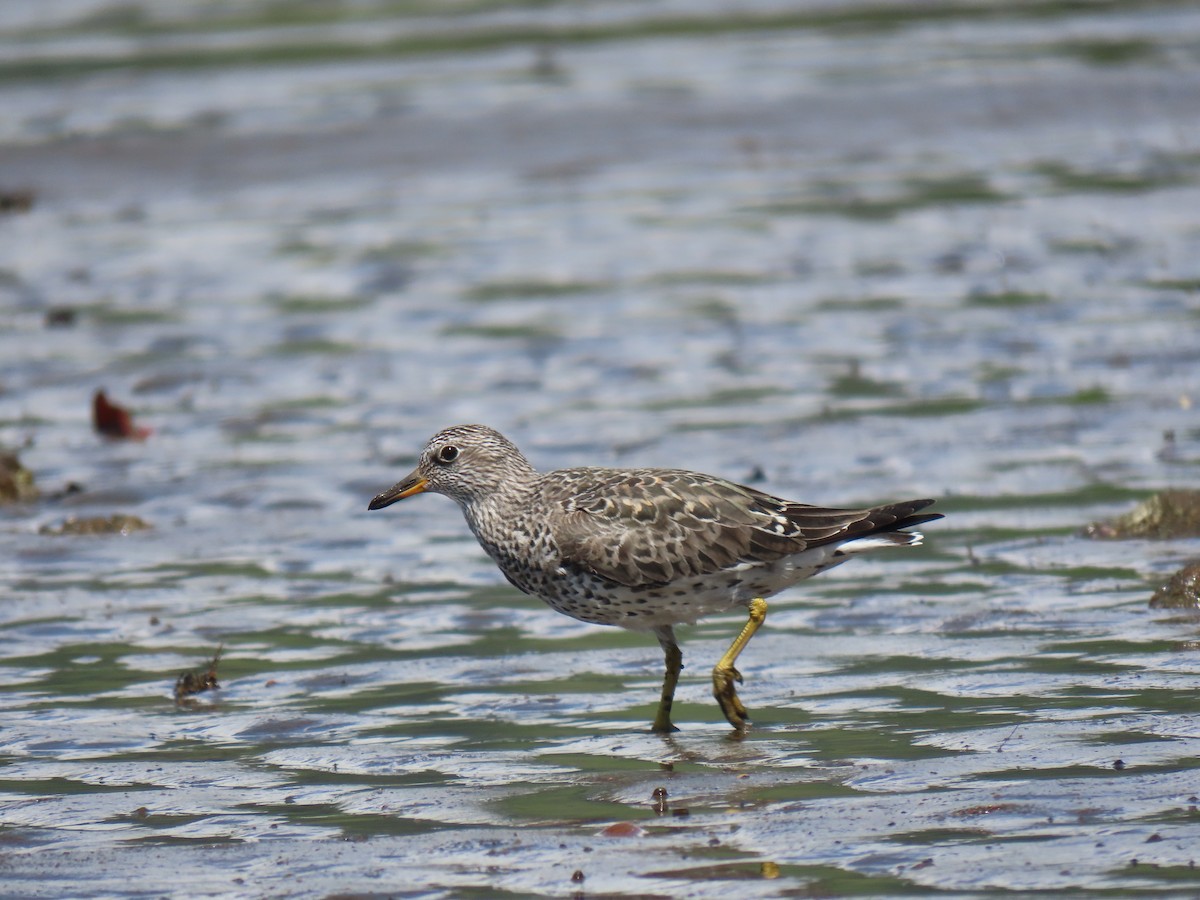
(724,673)
(674,662)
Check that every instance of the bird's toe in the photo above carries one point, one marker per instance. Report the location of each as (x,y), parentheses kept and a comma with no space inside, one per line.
(726,695)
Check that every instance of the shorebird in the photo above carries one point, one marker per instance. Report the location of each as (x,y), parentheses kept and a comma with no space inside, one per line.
(646,549)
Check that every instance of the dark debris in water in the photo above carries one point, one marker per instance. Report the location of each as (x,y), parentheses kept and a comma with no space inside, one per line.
(117,523)
(61,317)
(17,200)
(985,809)
(1182,591)
(198,680)
(16,481)
(1169,514)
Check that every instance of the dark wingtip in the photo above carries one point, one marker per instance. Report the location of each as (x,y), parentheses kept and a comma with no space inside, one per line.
(912,518)
(918,520)
(895,517)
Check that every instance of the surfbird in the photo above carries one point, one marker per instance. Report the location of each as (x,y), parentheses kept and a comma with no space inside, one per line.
(645,549)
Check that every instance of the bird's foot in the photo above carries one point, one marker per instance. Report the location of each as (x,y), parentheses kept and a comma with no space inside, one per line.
(662,724)
(726,694)
(662,718)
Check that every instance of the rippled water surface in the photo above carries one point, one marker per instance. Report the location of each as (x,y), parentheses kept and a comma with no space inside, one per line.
(850,252)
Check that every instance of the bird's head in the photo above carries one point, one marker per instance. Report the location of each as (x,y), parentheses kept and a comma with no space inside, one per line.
(465,462)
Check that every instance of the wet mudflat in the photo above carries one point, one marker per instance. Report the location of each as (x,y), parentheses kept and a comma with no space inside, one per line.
(850,252)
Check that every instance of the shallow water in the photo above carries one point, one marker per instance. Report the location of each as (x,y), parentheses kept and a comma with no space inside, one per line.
(859,253)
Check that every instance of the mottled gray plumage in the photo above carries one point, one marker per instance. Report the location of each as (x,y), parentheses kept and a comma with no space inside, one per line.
(643,548)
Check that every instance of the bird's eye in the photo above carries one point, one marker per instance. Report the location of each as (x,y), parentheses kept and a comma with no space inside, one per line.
(447,454)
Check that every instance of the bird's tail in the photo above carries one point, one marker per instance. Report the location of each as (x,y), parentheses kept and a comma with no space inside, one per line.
(888,524)
(882,540)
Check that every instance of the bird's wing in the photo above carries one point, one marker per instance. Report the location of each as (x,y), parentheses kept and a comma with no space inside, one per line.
(653,526)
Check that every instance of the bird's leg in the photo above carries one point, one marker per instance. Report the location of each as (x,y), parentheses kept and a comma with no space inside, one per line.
(674,661)
(724,673)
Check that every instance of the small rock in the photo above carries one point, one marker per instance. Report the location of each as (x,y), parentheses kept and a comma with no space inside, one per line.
(117,523)
(1181,592)
(659,796)
(16,481)
(1169,514)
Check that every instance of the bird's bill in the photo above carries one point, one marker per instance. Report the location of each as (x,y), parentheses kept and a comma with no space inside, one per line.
(413,484)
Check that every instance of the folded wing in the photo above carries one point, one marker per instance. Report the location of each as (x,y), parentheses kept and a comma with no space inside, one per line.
(647,527)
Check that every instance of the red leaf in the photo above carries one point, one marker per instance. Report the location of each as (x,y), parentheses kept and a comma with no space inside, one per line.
(115,421)
(622,829)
